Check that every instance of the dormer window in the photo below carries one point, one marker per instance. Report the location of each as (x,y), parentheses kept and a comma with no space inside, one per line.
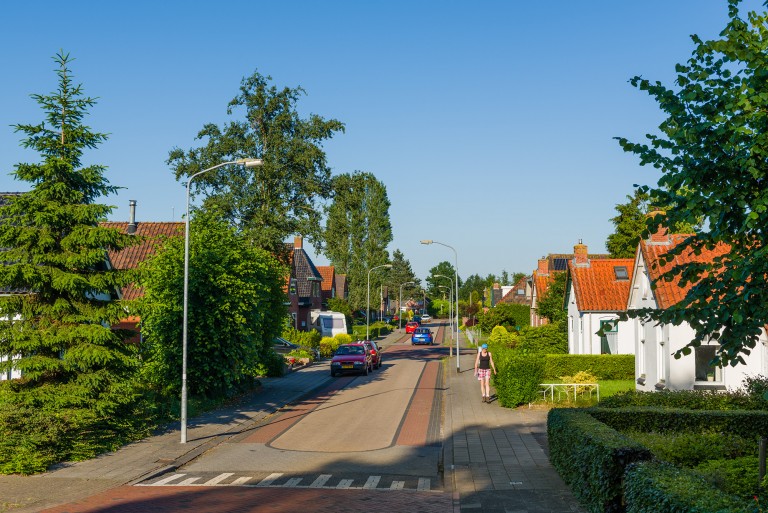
(621,272)
(292,289)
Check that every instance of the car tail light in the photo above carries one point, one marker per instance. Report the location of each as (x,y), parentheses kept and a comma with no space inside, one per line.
(373,351)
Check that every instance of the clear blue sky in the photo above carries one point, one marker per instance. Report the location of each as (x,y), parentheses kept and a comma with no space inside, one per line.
(490,122)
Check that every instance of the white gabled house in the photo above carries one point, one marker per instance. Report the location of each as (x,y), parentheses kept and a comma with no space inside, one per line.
(596,294)
(655,366)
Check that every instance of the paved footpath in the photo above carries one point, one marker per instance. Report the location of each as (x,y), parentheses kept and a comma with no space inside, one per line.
(494,461)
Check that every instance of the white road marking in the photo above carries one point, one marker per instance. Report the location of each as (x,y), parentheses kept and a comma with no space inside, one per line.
(397,485)
(373,482)
(218,479)
(267,481)
(320,481)
(294,481)
(424,484)
(240,481)
(344,484)
(168,479)
(189,481)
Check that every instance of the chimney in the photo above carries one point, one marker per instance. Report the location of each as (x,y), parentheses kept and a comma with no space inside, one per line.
(543,269)
(297,242)
(132,216)
(660,234)
(580,255)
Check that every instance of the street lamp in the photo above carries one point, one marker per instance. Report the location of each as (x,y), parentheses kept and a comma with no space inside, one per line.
(400,304)
(368,298)
(456,270)
(242,162)
(450,303)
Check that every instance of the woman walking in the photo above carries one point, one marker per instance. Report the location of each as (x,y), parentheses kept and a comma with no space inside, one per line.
(483,366)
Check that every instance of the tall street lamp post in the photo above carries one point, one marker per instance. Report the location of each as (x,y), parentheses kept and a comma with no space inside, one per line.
(400,304)
(450,304)
(242,162)
(368,298)
(456,270)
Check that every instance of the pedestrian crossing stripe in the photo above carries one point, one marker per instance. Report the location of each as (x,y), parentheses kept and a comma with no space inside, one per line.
(272,481)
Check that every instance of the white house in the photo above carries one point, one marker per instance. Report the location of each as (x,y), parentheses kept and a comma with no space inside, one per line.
(596,293)
(655,366)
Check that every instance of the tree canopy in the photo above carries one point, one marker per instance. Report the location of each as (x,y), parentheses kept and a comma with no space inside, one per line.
(551,304)
(446,269)
(57,323)
(279,198)
(629,226)
(711,150)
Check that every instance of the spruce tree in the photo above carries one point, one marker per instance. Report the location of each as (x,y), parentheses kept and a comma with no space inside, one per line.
(57,322)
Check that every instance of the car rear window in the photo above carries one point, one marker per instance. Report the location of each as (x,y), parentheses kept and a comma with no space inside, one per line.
(422,330)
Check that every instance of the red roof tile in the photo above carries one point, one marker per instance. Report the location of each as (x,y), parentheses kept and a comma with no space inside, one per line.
(596,286)
(328,275)
(129,258)
(669,293)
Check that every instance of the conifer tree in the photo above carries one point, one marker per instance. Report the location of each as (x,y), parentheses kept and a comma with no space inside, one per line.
(57,322)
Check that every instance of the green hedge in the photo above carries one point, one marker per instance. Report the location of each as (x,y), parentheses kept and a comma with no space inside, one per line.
(748,424)
(686,399)
(604,366)
(591,457)
(518,378)
(658,487)
(375,330)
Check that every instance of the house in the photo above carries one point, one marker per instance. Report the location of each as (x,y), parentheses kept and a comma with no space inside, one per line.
(596,293)
(328,285)
(655,366)
(303,286)
(520,293)
(342,287)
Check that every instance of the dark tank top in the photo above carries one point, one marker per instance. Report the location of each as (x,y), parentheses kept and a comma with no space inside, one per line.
(485,361)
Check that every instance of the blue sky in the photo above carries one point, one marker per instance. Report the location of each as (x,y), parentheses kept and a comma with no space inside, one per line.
(490,122)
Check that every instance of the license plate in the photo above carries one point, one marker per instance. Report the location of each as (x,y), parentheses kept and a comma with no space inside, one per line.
(346,365)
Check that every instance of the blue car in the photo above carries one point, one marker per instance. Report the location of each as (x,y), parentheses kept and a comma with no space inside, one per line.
(422,336)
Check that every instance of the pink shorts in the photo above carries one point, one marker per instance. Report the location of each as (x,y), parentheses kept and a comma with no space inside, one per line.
(483,374)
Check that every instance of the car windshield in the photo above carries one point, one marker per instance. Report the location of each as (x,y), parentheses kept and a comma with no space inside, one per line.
(350,350)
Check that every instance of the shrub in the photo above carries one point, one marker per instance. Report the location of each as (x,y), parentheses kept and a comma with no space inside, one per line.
(547,339)
(580,377)
(309,338)
(518,378)
(756,387)
(659,487)
(736,476)
(591,457)
(343,338)
(653,419)
(687,399)
(604,366)
(508,315)
(328,345)
(688,449)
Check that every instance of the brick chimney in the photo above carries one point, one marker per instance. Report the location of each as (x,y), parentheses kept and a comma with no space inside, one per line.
(660,236)
(543,269)
(580,255)
(131,216)
(297,242)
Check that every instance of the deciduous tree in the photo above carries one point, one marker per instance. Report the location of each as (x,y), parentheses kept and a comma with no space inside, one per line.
(711,150)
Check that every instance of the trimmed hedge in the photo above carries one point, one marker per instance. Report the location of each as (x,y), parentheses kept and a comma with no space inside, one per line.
(604,366)
(748,424)
(591,457)
(518,378)
(658,487)
(686,399)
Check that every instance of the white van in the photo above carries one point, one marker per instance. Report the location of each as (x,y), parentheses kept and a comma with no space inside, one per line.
(329,324)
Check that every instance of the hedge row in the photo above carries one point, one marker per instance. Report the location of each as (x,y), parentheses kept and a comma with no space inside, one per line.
(591,457)
(659,487)
(748,424)
(688,399)
(604,366)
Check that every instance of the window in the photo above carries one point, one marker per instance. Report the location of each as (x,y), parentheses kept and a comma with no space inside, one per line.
(293,287)
(621,272)
(704,370)
(520,292)
(608,341)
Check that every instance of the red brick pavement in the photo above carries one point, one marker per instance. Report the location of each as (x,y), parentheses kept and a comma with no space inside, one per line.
(413,430)
(236,499)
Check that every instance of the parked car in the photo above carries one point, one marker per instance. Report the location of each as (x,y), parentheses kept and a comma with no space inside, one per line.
(387,319)
(375,352)
(411,326)
(417,318)
(426,318)
(422,336)
(282,346)
(354,358)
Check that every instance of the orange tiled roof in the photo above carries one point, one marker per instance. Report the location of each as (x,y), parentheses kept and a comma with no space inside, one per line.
(596,287)
(327,273)
(130,258)
(669,293)
(541,282)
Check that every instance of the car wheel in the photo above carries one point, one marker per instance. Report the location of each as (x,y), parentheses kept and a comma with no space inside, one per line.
(365,371)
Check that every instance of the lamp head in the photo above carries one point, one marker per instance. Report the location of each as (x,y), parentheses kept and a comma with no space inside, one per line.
(387,266)
(250,162)
(428,241)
